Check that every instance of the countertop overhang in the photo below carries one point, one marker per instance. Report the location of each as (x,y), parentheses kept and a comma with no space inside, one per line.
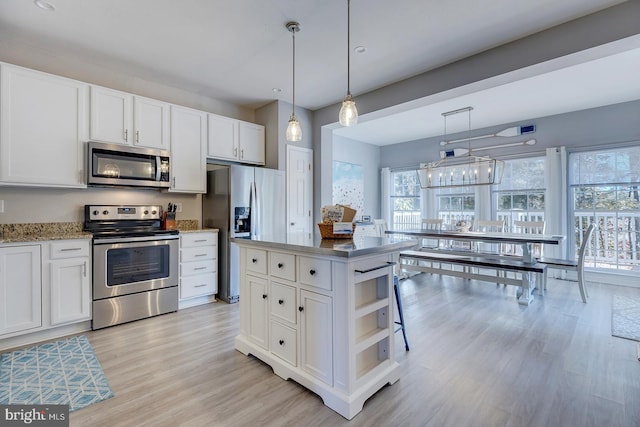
(315,245)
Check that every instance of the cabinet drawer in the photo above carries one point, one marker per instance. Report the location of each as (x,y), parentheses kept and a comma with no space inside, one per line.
(314,272)
(194,286)
(284,343)
(198,267)
(198,239)
(197,253)
(282,265)
(257,261)
(70,249)
(283,302)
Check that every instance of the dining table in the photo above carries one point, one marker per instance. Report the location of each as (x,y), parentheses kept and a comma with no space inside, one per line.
(525,240)
(529,281)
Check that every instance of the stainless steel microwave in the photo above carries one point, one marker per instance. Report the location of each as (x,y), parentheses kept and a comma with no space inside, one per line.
(123,165)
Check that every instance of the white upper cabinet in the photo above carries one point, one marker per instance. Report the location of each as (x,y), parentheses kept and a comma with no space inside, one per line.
(122,118)
(223,138)
(43,127)
(188,150)
(251,138)
(150,123)
(235,140)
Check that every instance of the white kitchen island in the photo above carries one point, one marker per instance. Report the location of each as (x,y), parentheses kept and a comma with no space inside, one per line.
(321,312)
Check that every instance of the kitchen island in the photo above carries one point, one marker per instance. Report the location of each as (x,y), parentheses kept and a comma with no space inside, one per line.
(321,312)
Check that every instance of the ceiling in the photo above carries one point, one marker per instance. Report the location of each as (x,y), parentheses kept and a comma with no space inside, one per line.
(239,51)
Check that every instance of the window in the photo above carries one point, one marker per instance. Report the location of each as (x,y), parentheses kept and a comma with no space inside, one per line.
(456,204)
(405,200)
(605,187)
(520,195)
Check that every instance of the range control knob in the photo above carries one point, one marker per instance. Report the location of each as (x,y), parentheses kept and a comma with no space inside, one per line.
(96,212)
(146,212)
(153,212)
(105,212)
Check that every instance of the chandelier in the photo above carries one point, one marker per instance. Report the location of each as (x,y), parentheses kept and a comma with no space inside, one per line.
(458,167)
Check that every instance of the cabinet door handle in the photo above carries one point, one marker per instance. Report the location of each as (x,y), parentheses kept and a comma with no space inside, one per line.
(200,286)
(301,309)
(281,342)
(199,255)
(126,135)
(200,240)
(280,301)
(280,265)
(200,268)
(388,264)
(84,269)
(312,272)
(254,260)
(173,182)
(242,153)
(70,249)
(137,136)
(235,151)
(264,296)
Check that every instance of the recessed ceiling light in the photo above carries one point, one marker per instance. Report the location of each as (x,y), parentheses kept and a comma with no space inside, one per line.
(276,90)
(360,49)
(45,5)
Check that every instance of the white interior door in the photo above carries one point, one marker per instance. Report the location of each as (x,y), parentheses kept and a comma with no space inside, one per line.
(299,190)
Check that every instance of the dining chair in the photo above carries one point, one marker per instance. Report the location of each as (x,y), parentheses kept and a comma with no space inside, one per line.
(529,227)
(431,224)
(488,226)
(380,227)
(577,265)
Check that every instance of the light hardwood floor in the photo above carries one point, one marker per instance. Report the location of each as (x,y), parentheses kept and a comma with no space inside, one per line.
(477,359)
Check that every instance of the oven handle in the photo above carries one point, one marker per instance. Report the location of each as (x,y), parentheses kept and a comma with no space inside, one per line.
(108,240)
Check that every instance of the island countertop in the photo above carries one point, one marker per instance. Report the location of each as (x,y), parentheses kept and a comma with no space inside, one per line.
(344,248)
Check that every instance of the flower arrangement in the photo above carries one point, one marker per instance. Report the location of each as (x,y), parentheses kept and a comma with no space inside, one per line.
(462,226)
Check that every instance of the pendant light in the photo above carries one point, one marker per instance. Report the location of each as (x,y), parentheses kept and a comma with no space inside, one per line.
(458,167)
(348,115)
(294,132)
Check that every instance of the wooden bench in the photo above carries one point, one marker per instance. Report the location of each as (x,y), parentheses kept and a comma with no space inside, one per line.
(410,261)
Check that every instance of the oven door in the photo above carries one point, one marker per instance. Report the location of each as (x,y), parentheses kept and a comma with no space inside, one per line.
(123,266)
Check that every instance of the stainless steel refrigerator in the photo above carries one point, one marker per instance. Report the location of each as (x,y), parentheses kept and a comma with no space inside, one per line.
(242,201)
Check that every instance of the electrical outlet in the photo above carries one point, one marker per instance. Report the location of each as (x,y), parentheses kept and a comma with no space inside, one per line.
(178,207)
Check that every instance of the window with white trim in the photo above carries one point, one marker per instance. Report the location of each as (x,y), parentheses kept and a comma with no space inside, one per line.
(520,195)
(605,189)
(405,200)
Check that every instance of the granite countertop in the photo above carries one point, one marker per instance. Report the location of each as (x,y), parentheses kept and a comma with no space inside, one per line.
(196,230)
(344,248)
(38,232)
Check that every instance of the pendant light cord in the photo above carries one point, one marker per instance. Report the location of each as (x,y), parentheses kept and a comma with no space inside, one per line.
(294,71)
(348,47)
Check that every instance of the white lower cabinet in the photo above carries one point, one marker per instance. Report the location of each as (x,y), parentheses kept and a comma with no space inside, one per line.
(316,335)
(198,264)
(69,281)
(20,288)
(258,324)
(326,322)
(44,286)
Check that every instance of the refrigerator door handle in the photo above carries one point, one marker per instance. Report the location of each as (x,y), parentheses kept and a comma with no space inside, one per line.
(254,212)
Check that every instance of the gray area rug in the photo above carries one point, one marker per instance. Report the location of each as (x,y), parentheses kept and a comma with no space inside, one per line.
(625,317)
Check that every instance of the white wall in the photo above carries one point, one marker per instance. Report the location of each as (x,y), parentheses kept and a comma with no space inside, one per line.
(25,204)
(368,156)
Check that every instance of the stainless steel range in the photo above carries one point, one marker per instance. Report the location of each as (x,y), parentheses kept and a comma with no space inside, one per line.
(135,263)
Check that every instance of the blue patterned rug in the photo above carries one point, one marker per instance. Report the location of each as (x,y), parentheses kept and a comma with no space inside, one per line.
(625,317)
(64,372)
